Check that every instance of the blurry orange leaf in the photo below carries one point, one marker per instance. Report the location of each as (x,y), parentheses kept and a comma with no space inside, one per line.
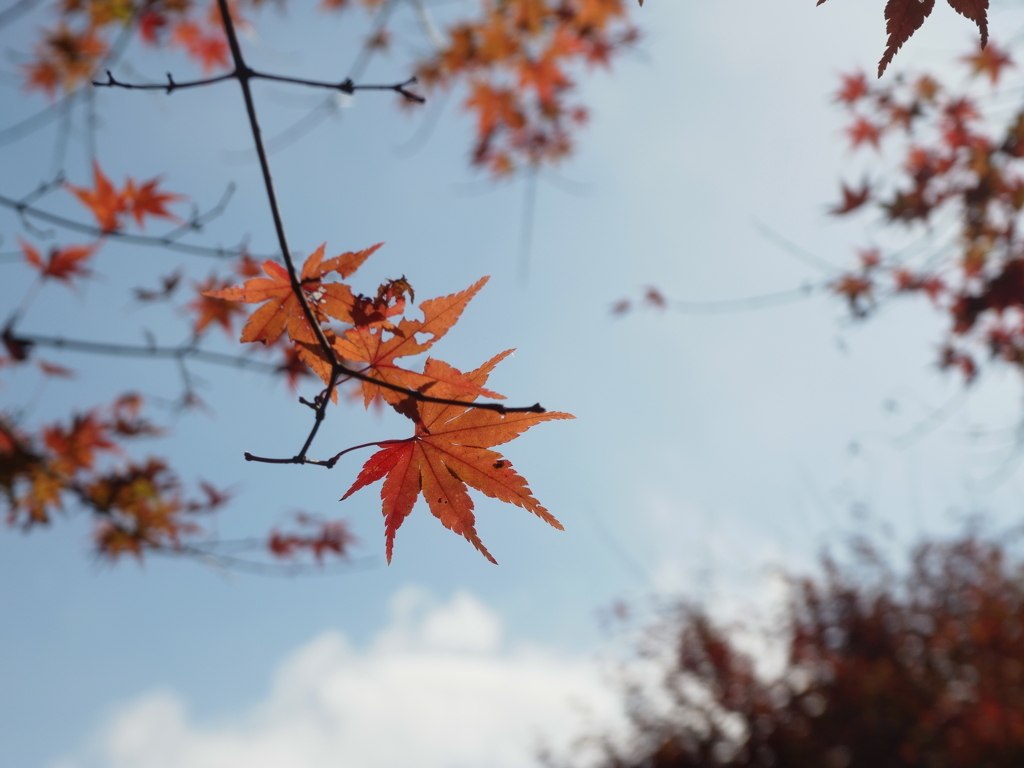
(64,59)
(76,446)
(208,47)
(147,200)
(106,204)
(109,205)
(62,263)
(210,309)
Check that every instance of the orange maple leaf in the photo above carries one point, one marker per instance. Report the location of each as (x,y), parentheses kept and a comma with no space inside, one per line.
(64,58)
(853,89)
(62,263)
(138,200)
(147,200)
(76,448)
(105,202)
(281,309)
(210,309)
(368,345)
(447,454)
(209,48)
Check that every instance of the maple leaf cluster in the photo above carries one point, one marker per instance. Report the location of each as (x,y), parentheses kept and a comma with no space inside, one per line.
(345,337)
(111,206)
(957,171)
(136,506)
(71,54)
(516,61)
(920,667)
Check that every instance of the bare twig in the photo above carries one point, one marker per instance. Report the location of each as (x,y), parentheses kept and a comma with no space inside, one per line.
(169,87)
(328,463)
(328,106)
(243,74)
(345,86)
(168,241)
(144,351)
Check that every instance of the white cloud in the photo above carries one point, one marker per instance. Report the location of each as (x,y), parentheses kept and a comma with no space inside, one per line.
(437,689)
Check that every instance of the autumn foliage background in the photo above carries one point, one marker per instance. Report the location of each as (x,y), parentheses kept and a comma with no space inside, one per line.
(729,438)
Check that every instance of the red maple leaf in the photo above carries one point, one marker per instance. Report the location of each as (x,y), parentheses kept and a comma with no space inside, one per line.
(852,199)
(990,60)
(208,308)
(853,89)
(61,263)
(449,452)
(864,131)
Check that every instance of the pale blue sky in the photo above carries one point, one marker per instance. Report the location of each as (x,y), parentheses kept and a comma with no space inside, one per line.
(705,447)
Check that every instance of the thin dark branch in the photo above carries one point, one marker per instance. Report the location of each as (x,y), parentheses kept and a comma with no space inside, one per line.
(138,350)
(169,87)
(328,106)
(243,74)
(166,241)
(329,463)
(345,86)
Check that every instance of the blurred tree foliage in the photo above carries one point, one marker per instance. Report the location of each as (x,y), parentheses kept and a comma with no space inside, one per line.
(919,666)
